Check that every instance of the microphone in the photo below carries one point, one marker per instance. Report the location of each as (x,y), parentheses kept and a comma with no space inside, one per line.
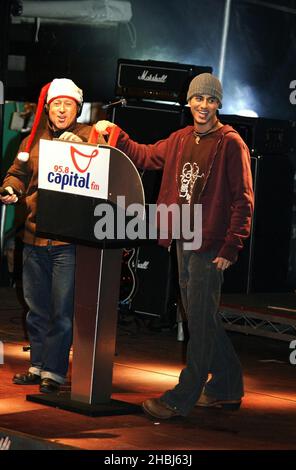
(121,102)
(4,192)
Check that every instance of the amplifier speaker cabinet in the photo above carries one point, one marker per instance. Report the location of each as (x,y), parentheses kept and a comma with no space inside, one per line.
(262,135)
(154,80)
(157,283)
(263,263)
(146,123)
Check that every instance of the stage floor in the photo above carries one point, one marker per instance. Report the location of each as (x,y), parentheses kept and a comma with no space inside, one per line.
(282,304)
(147,363)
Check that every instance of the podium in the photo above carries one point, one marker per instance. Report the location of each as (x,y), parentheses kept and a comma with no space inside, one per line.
(75,181)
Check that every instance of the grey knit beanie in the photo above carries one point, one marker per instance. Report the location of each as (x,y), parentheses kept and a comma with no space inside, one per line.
(206,84)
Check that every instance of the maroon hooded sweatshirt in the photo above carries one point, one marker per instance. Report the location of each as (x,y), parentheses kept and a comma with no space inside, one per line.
(226,196)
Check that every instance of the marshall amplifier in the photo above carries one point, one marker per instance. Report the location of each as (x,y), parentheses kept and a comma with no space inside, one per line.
(163,81)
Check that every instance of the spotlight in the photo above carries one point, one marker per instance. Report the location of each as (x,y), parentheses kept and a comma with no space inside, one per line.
(247,113)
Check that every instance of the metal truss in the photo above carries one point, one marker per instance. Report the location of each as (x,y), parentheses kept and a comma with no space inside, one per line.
(260,324)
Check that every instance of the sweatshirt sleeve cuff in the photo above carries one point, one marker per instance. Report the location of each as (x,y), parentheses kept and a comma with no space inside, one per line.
(229,252)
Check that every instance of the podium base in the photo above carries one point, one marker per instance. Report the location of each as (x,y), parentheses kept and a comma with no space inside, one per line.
(63,401)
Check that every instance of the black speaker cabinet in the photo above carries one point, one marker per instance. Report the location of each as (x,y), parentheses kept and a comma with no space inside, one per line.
(146,123)
(153,276)
(263,263)
(263,136)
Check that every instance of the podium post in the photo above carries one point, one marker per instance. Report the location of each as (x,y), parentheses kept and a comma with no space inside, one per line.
(96,304)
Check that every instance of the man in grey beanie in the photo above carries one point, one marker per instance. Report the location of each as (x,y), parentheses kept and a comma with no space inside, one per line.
(206,84)
(208,164)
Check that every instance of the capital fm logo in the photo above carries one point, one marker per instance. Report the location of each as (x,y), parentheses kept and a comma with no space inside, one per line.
(63,176)
(83,156)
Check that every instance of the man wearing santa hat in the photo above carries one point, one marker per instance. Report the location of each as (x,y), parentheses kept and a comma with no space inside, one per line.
(48,265)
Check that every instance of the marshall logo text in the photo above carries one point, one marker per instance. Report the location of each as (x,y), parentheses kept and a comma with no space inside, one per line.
(149,77)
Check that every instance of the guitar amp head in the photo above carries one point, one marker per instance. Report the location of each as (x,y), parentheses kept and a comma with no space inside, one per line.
(154,80)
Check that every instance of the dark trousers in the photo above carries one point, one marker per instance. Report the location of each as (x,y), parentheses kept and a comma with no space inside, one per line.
(209,349)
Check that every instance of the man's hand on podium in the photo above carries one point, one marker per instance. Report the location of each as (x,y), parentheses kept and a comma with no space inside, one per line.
(70,137)
(103,127)
(8,195)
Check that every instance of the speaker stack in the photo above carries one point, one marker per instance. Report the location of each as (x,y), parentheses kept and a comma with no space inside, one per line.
(151,87)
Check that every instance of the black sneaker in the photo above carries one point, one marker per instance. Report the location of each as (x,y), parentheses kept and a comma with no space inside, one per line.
(26,379)
(48,385)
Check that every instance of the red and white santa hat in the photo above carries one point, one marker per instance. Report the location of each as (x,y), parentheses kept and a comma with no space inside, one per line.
(58,88)
(64,88)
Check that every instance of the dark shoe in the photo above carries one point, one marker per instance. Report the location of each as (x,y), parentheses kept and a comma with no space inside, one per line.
(206,401)
(49,386)
(159,409)
(26,379)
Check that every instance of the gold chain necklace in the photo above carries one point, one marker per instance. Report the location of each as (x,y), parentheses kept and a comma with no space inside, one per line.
(198,135)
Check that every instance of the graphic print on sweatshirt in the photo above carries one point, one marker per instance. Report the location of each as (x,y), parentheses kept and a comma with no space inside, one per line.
(190,173)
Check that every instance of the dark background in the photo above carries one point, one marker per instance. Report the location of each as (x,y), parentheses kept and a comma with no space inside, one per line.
(260,57)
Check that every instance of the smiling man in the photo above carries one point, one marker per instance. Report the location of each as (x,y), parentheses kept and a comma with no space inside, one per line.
(63,105)
(48,265)
(209,164)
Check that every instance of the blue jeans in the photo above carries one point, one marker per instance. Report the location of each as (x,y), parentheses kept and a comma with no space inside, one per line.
(48,283)
(209,349)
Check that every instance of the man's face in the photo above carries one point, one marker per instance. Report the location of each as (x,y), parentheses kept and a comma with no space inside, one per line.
(203,109)
(62,112)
